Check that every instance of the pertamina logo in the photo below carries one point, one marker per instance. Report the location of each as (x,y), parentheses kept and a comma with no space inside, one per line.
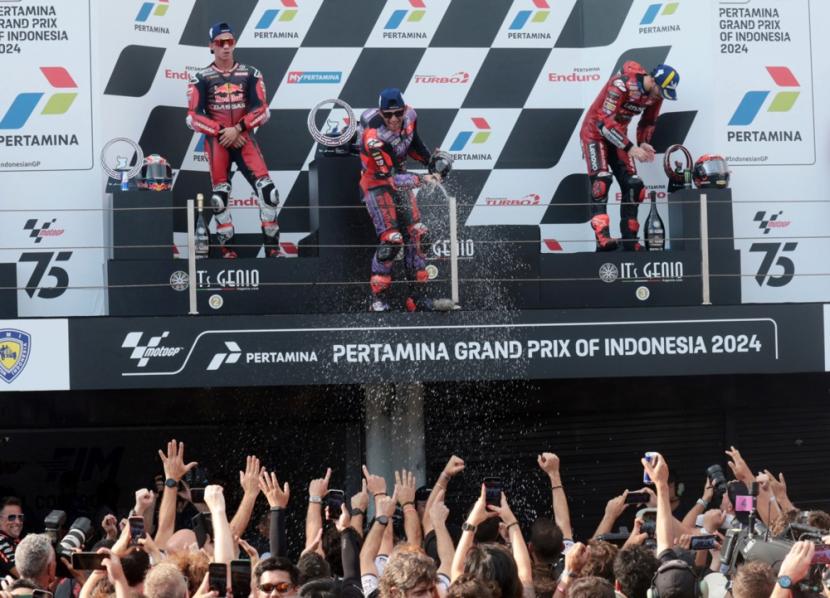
(528,18)
(149,11)
(459,78)
(768,222)
(230,356)
(25,104)
(754,101)
(300,77)
(657,13)
(143,353)
(477,137)
(271,24)
(15,347)
(39,230)
(233,353)
(531,199)
(401,18)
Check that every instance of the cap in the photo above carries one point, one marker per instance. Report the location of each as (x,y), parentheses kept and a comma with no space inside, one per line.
(391,98)
(218,29)
(667,79)
(676,579)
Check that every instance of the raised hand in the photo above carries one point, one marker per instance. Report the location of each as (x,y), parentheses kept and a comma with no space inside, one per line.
(479,512)
(387,504)
(374,483)
(549,463)
(438,511)
(215,498)
(658,469)
(361,499)
(173,462)
(270,486)
(144,500)
(616,506)
(738,466)
(110,526)
(249,479)
(320,486)
(405,486)
(454,466)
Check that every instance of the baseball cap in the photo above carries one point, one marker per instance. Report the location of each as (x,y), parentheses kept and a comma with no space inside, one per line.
(391,98)
(667,79)
(675,579)
(218,29)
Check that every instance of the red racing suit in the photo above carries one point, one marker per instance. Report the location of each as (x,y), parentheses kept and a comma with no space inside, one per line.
(217,100)
(605,145)
(388,192)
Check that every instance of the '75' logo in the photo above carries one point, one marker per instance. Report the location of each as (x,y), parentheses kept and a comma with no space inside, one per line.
(58,103)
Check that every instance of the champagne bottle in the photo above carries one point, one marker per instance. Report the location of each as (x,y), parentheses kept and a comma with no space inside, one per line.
(655,236)
(202,234)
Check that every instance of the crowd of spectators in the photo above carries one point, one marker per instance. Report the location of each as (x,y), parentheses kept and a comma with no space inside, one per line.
(743,538)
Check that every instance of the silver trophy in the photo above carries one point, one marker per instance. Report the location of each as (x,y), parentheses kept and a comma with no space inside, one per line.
(332,137)
(115,160)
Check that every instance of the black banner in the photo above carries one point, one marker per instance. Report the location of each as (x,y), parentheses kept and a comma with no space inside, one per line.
(395,347)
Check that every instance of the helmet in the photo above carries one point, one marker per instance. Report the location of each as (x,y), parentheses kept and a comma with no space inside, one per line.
(440,163)
(155,175)
(667,79)
(711,172)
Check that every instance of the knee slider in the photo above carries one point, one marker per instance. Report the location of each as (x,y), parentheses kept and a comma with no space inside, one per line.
(601,184)
(635,184)
(219,198)
(390,244)
(267,192)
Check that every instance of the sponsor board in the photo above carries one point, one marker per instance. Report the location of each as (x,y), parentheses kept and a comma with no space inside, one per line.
(34,355)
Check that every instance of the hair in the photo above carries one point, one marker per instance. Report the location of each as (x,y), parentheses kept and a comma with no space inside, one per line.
(819,519)
(494,562)
(331,548)
(312,566)
(193,565)
(330,588)
(277,563)
(24,584)
(634,568)
(10,501)
(546,540)
(165,581)
(753,580)
(467,586)
(488,531)
(103,588)
(780,523)
(591,587)
(405,571)
(600,561)
(135,565)
(33,555)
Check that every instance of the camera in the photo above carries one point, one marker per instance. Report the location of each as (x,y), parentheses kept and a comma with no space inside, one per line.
(53,524)
(718,479)
(75,538)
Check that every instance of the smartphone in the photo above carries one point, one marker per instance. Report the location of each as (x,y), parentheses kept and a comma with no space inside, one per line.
(650,458)
(202,527)
(88,561)
(218,578)
(821,555)
(637,498)
(707,542)
(335,500)
(136,529)
(493,488)
(241,578)
(197,495)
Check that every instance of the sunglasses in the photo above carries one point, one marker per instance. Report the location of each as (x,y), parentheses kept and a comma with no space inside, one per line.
(280,587)
(393,113)
(14,517)
(225,43)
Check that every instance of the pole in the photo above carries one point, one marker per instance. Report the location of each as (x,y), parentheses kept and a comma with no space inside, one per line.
(453,250)
(704,249)
(191,259)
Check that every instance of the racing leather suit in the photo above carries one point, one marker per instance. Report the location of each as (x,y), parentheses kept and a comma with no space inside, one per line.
(217,100)
(605,145)
(388,192)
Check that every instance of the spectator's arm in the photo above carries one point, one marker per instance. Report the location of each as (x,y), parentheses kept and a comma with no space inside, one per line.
(739,468)
(658,470)
(116,574)
(778,487)
(438,515)
(91,582)
(575,559)
(387,543)
(317,490)
(613,509)
(223,546)
(405,490)
(517,541)
(174,469)
(453,467)
(145,501)
(249,480)
(549,463)
(796,566)
(350,554)
(700,506)
(384,507)
(478,515)
(360,508)
(278,501)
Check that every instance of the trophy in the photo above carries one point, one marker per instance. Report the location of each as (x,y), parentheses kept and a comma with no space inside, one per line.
(117,166)
(333,140)
(679,177)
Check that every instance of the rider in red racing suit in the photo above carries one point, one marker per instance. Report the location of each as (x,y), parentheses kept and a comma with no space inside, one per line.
(608,150)
(226,102)
(388,135)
